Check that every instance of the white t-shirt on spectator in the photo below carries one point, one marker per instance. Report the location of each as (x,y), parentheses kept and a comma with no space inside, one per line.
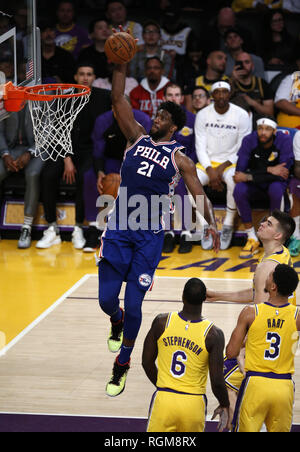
(284,90)
(219,136)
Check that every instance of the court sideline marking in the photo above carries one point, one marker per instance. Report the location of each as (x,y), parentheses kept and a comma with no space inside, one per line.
(44,315)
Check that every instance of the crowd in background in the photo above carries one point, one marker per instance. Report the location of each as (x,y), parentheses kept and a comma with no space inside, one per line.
(184,48)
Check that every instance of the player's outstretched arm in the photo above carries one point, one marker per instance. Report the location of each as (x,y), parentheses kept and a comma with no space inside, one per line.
(122,109)
(188,172)
(239,296)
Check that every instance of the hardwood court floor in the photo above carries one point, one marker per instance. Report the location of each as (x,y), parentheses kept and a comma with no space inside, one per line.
(55,359)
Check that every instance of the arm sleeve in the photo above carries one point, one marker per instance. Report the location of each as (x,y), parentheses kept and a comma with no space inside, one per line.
(244,155)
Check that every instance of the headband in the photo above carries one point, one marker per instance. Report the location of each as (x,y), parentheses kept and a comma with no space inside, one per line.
(219,85)
(267,122)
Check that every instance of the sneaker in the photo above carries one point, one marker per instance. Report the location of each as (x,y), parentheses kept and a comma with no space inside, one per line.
(251,248)
(92,239)
(169,243)
(207,240)
(294,246)
(25,238)
(185,245)
(226,236)
(116,385)
(78,239)
(115,339)
(50,238)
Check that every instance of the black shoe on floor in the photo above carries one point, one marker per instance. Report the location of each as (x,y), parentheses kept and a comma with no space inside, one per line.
(169,243)
(185,246)
(92,239)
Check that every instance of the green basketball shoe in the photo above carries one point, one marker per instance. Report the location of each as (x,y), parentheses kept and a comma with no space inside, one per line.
(116,385)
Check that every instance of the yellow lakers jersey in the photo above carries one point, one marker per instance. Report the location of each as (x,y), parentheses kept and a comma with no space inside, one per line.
(201,81)
(281,257)
(182,355)
(272,339)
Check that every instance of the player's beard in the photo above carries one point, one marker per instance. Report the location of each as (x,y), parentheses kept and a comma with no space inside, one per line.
(157,134)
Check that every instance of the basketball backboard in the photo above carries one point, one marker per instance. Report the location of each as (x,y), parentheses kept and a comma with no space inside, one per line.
(20,50)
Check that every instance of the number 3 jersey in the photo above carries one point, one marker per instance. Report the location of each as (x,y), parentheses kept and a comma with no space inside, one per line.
(272,339)
(182,356)
(148,172)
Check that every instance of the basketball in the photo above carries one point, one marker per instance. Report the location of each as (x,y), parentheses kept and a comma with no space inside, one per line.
(120,48)
(111,184)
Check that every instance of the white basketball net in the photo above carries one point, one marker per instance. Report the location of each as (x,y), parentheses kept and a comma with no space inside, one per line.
(53,121)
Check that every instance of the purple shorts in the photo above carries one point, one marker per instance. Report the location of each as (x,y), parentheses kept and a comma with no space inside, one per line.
(295,187)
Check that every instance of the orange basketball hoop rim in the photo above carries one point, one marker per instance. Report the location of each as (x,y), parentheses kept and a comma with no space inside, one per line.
(15,97)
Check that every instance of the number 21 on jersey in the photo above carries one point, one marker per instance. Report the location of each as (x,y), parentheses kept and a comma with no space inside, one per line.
(145,169)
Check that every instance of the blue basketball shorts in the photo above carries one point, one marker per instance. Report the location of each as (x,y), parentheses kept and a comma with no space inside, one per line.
(135,255)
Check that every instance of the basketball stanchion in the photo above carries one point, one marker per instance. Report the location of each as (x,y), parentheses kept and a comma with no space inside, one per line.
(54,109)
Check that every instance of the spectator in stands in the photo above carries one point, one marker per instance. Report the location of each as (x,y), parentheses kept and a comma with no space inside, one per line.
(17,152)
(116,13)
(108,154)
(21,20)
(58,65)
(215,68)
(219,130)
(105,83)
(200,98)
(186,138)
(152,47)
(191,65)
(235,47)
(69,35)
(277,43)
(267,4)
(289,109)
(294,243)
(264,160)
(225,20)
(175,35)
(242,5)
(148,95)
(292,6)
(75,169)
(99,32)
(249,91)
(7,47)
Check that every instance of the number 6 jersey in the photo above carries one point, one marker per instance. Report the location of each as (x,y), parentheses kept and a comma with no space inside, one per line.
(182,355)
(272,339)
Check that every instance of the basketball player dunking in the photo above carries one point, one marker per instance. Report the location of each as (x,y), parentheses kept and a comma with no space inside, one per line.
(152,167)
